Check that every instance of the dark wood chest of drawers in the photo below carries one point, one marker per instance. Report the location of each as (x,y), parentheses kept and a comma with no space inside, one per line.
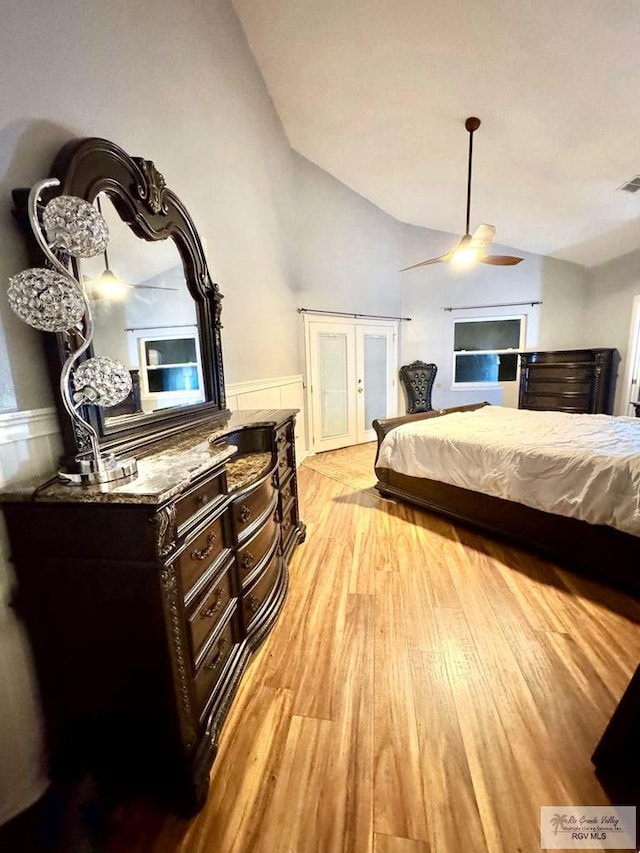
(144,603)
(580,381)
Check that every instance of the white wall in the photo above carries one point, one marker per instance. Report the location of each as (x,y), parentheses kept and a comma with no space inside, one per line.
(345,251)
(612,288)
(557,323)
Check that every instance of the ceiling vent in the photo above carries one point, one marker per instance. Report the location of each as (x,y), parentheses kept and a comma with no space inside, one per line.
(631,186)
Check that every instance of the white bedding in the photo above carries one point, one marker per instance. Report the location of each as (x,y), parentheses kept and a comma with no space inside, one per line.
(586,466)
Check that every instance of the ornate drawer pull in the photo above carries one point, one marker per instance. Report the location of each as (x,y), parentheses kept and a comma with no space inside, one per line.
(213,609)
(254,603)
(248,560)
(282,438)
(286,494)
(204,553)
(203,499)
(282,463)
(244,514)
(216,658)
(286,525)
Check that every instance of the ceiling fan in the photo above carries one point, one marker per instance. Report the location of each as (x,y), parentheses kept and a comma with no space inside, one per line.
(471,246)
(109,284)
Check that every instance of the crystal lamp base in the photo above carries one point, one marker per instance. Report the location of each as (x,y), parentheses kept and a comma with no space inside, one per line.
(106,469)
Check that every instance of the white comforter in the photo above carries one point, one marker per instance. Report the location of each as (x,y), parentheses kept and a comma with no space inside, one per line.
(586,466)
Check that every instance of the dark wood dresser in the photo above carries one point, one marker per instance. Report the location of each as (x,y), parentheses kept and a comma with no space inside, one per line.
(144,600)
(580,381)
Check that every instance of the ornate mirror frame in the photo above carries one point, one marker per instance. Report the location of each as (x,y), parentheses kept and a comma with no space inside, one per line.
(85,168)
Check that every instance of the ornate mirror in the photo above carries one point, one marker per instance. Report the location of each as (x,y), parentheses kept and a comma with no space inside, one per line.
(154,305)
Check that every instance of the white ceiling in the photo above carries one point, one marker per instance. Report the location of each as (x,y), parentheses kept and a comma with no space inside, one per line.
(376,93)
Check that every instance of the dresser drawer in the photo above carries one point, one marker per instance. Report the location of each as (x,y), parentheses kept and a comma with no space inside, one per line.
(252,505)
(213,663)
(254,599)
(287,491)
(284,435)
(289,521)
(199,553)
(285,461)
(209,609)
(254,551)
(559,373)
(560,403)
(573,386)
(193,502)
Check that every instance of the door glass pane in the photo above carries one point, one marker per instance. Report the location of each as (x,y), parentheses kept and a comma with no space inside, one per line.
(332,356)
(375,378)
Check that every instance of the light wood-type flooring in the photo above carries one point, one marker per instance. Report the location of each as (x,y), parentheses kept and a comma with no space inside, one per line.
(426,690)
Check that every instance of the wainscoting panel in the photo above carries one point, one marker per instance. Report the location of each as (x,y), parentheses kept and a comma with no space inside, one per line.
(285,392)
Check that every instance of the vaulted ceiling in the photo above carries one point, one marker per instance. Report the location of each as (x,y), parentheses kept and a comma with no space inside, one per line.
(376,93)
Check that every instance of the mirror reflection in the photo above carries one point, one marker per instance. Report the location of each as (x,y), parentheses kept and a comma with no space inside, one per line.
(144,316)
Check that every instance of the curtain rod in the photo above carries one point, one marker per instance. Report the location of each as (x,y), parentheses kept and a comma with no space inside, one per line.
(497,305)
(349,314)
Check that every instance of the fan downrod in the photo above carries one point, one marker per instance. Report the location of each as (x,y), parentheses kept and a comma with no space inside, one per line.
(482,235)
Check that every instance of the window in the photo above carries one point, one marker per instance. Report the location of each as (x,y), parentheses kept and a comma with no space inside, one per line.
(170,371)
(485,349)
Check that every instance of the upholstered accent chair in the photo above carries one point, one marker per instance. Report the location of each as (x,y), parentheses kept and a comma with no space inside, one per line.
(417,379)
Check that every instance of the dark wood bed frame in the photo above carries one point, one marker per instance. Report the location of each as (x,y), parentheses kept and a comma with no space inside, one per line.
(596,549)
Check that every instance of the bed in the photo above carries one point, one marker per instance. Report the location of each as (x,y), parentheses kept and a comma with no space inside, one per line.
(598,536)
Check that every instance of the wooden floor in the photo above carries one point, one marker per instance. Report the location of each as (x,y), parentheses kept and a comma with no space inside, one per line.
(426,689)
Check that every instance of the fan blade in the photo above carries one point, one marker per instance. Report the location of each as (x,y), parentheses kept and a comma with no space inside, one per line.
(482,236)
(149,287)
(439,260)
(500,260)
(109,279)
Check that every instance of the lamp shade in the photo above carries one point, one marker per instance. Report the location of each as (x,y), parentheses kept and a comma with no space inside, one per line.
(101,381)
(75,226)
(45,300)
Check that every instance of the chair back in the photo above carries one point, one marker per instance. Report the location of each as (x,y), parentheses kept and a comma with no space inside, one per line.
(417,379)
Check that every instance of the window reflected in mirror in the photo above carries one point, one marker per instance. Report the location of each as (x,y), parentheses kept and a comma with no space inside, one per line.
(144,316)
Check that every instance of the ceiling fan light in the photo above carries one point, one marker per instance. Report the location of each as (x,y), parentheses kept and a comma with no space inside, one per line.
(109,286)
(464,256)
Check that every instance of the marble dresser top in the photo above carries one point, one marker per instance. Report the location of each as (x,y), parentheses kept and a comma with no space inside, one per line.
(245,468)
(168,468)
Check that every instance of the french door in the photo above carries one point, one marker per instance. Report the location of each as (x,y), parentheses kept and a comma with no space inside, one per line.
(351,370)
